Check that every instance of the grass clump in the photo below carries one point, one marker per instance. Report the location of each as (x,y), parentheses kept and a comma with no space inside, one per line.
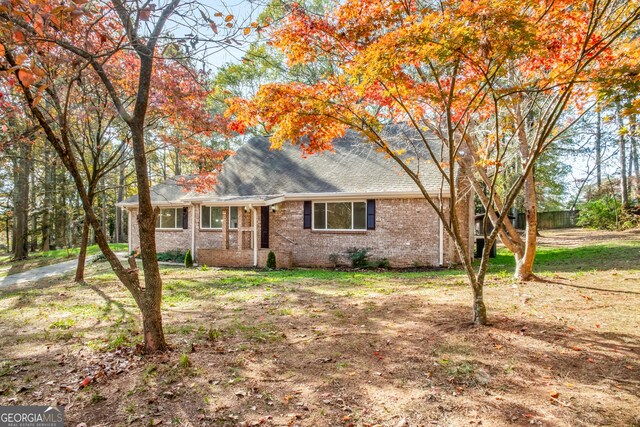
(62,324)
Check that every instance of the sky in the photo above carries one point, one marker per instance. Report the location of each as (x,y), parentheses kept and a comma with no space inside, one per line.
(228,45)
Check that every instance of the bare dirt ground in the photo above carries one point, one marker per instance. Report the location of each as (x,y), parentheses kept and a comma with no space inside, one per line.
(325,348)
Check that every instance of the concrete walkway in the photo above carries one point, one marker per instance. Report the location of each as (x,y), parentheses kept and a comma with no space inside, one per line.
(39,273)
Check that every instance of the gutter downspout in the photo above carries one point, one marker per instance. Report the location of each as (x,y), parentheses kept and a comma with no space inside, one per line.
(441,232)
(254,220)
(193,232)
(129,237)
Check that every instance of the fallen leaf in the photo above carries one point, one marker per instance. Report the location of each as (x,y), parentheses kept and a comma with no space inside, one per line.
(85,382)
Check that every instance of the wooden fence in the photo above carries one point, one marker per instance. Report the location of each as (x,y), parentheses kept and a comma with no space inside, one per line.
(549,220)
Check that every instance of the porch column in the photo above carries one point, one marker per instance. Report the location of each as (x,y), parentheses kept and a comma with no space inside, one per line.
(241,228)
(225,228)
(254,236)
(194,208)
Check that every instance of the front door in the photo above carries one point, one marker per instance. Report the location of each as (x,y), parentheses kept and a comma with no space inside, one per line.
(264,227)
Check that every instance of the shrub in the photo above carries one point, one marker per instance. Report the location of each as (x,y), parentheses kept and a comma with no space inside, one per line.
(359,257)
(204,267)
(171,256)
(99,258)
(606,213)
(334,258)
(188,260)
(271,260)
(380,263)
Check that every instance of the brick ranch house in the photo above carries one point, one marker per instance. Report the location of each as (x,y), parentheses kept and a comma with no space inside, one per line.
(308,210)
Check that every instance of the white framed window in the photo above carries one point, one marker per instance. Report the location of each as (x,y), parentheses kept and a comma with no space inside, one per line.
(169,218)
(340,215)
(211,217)
(233,217)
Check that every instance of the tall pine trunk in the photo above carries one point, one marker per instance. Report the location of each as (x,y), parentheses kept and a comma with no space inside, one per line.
(34,215)
(22,171)
(624,187)
(46,204)
(633,155)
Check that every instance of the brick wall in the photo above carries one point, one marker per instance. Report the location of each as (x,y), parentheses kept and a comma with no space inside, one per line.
(241,258)
(166,240)
(407,234)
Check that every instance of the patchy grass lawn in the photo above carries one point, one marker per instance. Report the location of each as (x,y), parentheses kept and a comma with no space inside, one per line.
(41,259)
(331,348)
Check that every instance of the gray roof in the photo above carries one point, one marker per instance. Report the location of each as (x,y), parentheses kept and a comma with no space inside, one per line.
(169,191)
(257,172)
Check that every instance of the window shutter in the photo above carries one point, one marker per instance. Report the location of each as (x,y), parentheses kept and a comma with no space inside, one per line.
(371,214)
(307,214)
(185,218)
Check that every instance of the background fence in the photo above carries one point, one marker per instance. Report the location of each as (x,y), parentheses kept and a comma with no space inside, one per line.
(548,220)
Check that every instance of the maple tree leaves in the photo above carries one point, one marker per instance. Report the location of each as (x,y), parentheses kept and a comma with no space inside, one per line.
(469,73)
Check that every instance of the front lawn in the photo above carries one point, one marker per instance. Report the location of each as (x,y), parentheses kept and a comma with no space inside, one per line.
(339,348)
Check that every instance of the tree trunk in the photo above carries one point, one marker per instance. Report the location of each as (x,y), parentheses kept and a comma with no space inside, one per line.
(624,188)
(46,204)
(7,224)
(526,258)
(151,299)
(599,149)
(34,216)
(634,154)
(61,212)
(526,253)
(120,197)
(82,256)
(152,325)
(479,309)
(21,200)
(178,166)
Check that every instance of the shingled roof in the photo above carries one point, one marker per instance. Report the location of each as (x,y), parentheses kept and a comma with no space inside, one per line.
(256,172)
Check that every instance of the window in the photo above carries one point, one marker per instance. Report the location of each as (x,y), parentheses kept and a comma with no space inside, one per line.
(211,217)
(233,217)
(340,216)
(169,218)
